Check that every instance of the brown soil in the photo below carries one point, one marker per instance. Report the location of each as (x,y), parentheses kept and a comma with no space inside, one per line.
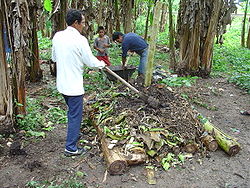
(216,99)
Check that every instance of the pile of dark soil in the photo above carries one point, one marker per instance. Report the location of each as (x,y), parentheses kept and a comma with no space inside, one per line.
(133,125)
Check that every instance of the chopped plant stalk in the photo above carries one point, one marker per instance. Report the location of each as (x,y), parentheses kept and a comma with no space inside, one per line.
(155,136)
(158,145)
(121,117)
(157,129)
(151,176)
(151,153)
(227,143)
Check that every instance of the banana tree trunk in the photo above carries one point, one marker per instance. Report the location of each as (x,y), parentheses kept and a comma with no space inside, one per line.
(248,36)
(35,71)
(117,16)
(172,63)
(197,23)
(164,16)
(147,21)
(127,15)
(19,22)
(6,103)
(244,26)
(152,43)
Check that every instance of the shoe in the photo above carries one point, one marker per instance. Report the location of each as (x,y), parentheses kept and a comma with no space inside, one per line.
(79,151)
(247,113)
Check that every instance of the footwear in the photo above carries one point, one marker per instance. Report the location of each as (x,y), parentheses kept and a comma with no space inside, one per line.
(247,113)
(79,151)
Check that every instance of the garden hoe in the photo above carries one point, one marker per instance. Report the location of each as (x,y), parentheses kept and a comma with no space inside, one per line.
(151,101)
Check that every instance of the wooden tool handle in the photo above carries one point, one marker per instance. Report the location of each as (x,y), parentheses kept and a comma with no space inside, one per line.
(121,79)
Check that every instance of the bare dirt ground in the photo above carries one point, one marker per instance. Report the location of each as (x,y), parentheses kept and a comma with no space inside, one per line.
(43,159)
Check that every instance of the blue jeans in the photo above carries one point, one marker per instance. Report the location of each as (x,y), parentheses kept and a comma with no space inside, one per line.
(74,114)
(143,61)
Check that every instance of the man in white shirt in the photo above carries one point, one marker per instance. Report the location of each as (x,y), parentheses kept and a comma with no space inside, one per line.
(71,52)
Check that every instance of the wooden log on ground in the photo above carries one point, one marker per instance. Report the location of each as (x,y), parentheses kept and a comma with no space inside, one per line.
(227,143)
(116,163)
(210,143)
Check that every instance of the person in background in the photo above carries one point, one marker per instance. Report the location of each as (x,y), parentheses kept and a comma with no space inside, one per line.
(133,43)
(101,44)
(71,52)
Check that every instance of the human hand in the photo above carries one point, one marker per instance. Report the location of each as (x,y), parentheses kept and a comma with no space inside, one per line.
(105,45)
(101,50)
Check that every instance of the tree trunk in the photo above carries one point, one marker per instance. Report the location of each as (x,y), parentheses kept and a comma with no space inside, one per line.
(60,9)
(128,15)
(20,34)
(152,43)
(35,71)
(109,18)
(147,22)
(172,63)
(6,103)
(117,16)
(89,16)
(197,24)
(224,19)
(248,36)
(164,15)
(99,19)
(244,26)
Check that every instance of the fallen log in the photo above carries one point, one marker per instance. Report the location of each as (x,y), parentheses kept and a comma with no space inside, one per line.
(227,143)
(209,142)
(117,162)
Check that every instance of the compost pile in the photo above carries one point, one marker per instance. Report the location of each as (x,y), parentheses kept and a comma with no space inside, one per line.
(133,132)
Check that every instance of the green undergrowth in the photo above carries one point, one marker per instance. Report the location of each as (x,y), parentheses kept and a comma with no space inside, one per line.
(44,45)
(38,120)
(73,182)
(179,81)
(231,59)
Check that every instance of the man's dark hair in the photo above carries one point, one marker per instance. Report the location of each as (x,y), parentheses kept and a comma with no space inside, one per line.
(100,28)
(116,35)
(73,15)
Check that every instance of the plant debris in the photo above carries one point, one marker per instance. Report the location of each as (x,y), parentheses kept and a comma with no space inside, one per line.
(169,131)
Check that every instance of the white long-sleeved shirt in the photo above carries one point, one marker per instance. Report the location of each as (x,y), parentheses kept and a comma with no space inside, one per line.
(71,51)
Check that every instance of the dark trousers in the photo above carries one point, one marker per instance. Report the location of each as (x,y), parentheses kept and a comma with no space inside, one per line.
(75,110)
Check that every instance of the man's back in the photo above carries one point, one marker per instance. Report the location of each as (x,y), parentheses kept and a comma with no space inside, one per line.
(133,42)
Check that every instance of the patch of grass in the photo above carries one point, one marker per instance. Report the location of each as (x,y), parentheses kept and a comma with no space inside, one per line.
(179,81)
(70,183)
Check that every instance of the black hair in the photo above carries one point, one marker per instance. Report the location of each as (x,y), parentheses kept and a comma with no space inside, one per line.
(100,28)
(116,35)
(73,15)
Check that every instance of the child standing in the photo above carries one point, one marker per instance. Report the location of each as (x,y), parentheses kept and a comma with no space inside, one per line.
(101,44)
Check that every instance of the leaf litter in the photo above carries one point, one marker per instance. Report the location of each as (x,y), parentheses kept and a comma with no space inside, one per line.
(166,135)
